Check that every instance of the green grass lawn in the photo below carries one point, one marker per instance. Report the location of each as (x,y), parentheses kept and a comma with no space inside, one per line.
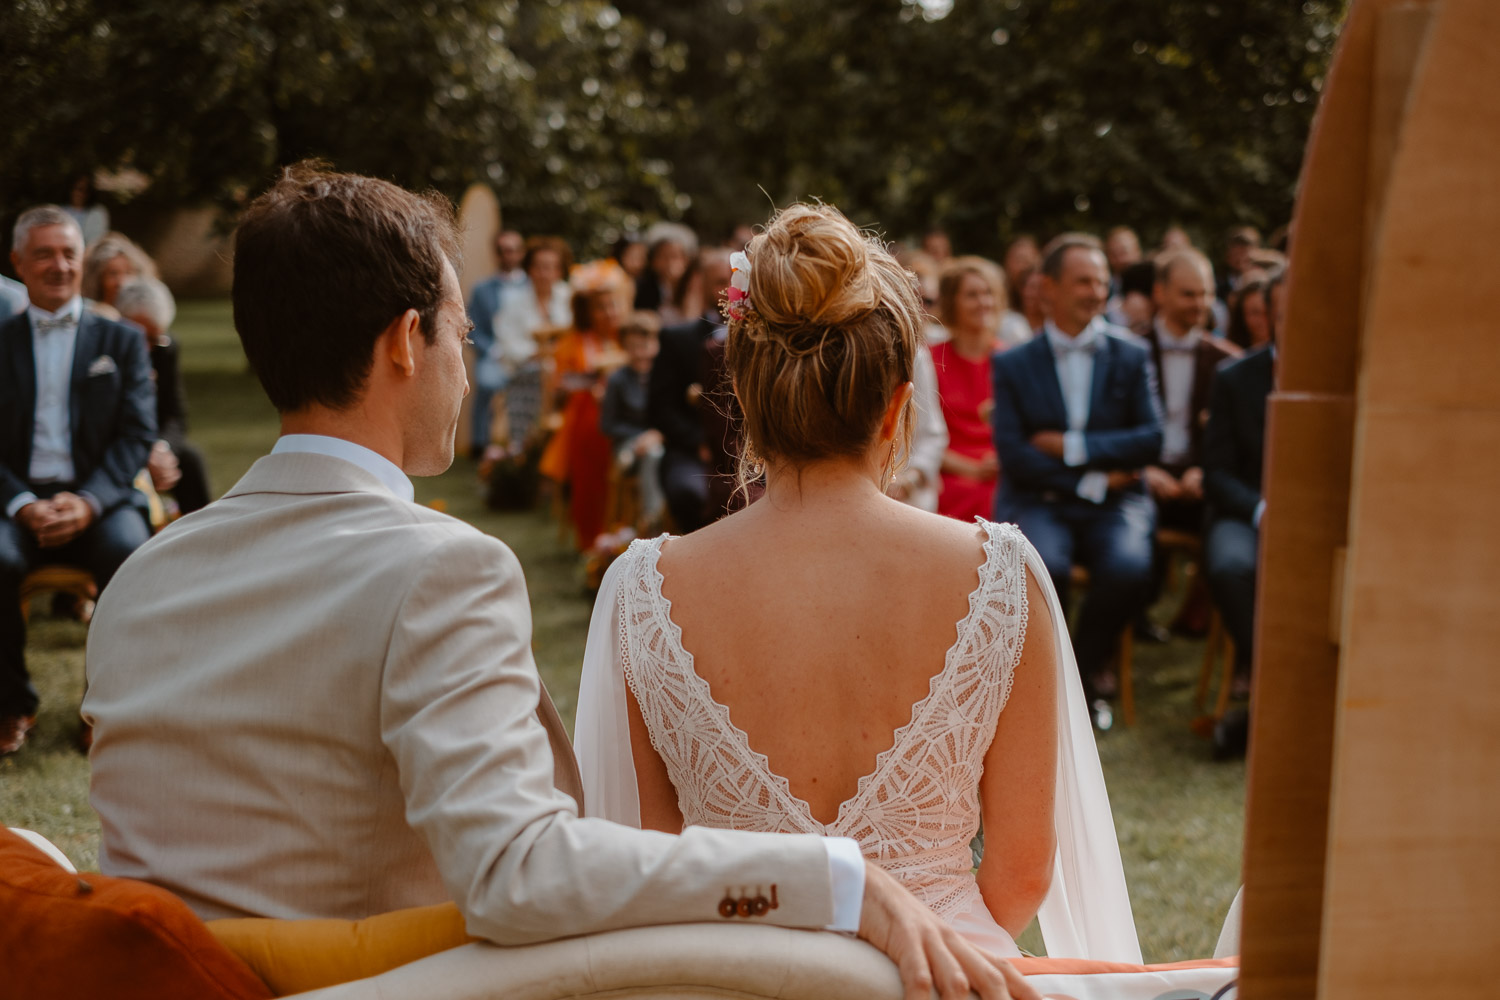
(1180,816)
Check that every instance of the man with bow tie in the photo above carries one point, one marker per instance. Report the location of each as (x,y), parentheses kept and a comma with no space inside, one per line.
(1076,418)
(77,419)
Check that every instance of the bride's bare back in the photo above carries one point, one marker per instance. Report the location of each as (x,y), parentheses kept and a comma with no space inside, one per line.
(819,617)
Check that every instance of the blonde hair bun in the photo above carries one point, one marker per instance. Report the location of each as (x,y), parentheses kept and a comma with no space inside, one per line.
(812,267)
(831,334)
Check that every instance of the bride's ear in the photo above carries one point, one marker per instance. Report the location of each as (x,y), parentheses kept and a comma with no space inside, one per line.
(890,424)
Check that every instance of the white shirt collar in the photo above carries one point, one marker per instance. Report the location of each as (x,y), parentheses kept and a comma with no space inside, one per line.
(377,465)
(1061,341)
(1188,339)
(72,309)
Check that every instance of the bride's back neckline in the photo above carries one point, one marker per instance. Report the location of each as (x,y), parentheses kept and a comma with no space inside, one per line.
(986,571)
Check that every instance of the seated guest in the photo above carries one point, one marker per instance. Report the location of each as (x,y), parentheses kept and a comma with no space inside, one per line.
(1239,245)
(967,307)
(579,453)
(1076,417)
(1233,452)
(175,465)
(544,302)
(630,253)
(1249,323)
(918,482)
(1133,308)
(66,470)
(12,297)
(1185,359)
(1122,248)
(674,403)
(108,264)
(83,205)
(484,305)
(669,247)
(622,416)
(1022,257)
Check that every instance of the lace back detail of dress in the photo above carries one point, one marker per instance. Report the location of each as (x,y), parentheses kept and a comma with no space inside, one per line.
(916,812)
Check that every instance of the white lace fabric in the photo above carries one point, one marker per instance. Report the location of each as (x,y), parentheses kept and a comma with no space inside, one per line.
(917,811)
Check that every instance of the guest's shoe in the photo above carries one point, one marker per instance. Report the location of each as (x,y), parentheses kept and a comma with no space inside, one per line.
(1102,714)
(1232,734)
(1239,688)
(13,730)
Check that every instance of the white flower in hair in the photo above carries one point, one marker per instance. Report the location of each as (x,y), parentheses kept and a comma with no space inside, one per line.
(737,295)
(739,271)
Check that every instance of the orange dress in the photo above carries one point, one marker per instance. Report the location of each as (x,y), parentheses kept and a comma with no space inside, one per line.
(579,454)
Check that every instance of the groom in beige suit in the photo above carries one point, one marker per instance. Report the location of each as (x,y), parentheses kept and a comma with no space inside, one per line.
(315,698)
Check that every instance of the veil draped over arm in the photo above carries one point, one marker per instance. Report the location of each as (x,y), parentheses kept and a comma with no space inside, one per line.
(601,738)
(1087,911)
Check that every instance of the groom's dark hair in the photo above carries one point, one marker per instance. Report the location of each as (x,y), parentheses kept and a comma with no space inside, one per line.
(323,263)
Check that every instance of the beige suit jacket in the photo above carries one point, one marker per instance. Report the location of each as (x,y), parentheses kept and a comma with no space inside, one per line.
(315,699)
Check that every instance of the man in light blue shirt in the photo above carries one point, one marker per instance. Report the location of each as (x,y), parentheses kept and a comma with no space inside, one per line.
(1076,417)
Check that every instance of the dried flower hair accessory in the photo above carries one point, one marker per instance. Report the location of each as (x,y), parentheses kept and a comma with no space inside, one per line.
(737,295)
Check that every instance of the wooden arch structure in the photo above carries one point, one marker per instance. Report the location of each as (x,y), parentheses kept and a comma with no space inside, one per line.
(1372,854)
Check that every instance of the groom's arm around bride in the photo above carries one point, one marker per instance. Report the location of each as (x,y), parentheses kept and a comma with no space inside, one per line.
(316,698)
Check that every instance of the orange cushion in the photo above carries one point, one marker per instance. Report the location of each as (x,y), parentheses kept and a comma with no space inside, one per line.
(69,935)
(1085,967)
(293,956)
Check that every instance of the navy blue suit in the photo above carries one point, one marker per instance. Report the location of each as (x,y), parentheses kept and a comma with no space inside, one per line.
(1234,445)
(1038,492)
(112,417)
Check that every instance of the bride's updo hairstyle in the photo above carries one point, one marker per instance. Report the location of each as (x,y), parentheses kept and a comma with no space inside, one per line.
(830,335)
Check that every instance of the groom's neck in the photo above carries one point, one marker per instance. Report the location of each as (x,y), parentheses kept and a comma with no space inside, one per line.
(356,424)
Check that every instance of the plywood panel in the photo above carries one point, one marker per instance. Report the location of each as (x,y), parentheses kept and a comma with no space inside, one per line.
(1414,852)
(1309,452)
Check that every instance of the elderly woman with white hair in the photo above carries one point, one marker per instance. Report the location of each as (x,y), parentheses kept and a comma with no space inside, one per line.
(175,465)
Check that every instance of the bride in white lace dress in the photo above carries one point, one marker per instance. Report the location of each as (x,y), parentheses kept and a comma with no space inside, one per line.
(831,661)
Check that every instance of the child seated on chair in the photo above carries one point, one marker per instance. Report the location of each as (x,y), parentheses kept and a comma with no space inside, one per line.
(637,446)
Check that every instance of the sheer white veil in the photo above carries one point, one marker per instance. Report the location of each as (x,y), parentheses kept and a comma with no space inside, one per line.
(1087,911)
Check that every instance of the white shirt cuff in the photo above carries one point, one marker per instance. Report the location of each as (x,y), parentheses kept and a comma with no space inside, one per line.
(1075,452)
(846,876)
(22,499)
(1093,486)
(1260,509)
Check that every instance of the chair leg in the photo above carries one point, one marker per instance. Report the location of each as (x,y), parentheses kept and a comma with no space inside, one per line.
(1210,649)
(1127,679)
(1226,679)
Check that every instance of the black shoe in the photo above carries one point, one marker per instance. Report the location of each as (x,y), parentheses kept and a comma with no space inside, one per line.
(1232,734)
(1147,630)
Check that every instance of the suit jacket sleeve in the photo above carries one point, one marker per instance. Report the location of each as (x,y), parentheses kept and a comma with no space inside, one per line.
(1226,491)
(1138,443)
(171,410)
(667,407)
(458,711)
(614,418)
(111,481)
(1020,462)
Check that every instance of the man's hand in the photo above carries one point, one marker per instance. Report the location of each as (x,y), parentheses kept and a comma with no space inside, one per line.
(71,515)
(1119,479)
(1048,443)
(35,516)
(1162,484)
(1192,484)
(647,440)
(930,954)
(162,465)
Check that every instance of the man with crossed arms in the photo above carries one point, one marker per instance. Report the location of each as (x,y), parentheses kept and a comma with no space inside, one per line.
(315,698)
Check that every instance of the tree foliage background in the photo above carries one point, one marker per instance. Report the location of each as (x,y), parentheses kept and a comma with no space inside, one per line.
(985,117)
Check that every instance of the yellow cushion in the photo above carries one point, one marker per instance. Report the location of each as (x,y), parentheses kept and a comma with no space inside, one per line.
(297,955)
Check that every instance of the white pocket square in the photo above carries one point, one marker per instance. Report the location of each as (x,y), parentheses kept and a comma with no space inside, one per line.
(102,365)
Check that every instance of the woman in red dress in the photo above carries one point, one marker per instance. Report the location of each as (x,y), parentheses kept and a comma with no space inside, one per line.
(969,307)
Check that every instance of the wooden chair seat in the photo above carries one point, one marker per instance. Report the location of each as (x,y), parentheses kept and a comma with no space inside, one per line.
(59,579)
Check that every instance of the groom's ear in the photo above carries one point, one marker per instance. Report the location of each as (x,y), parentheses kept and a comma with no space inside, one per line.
(397,344)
